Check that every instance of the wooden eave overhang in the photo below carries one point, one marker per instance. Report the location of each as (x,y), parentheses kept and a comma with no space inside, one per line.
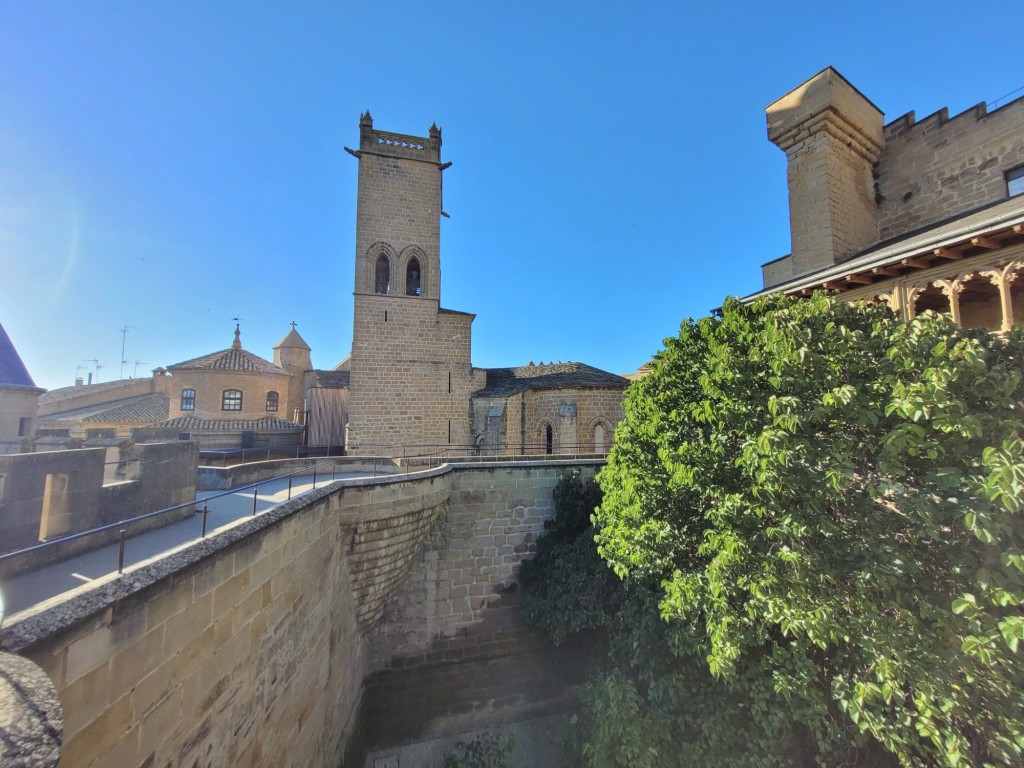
(989,229)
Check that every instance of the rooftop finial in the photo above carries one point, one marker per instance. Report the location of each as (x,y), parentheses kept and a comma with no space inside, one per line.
(237,343)
(294,324)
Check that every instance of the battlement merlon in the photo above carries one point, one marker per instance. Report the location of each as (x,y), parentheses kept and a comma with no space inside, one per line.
(826,102)
(427,149)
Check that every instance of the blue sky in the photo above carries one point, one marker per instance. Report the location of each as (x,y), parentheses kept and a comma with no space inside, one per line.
(170,165)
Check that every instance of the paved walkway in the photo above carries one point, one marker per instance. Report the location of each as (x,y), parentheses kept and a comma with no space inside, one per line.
(32,588)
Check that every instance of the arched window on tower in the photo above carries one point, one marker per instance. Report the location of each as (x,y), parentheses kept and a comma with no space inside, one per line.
(382,274)
(412,278)
(549,439)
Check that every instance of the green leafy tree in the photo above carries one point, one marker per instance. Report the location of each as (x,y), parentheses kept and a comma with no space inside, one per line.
(824,504)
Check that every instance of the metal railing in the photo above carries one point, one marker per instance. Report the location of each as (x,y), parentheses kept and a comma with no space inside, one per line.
(519,452)
(407,463)
(232,456)
(121,526)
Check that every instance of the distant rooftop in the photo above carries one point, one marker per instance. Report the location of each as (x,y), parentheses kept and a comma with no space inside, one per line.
(195,424)
(131,410)
(332,379)
(68,393)
(502,382)
(233,359)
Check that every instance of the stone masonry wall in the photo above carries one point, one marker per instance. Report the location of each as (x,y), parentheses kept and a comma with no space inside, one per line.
(398,203)
(410,377)
(570,434)
(243,649)
(210,386)
(159,475)
(471,560)
(16,404)
(451,653)
(941,166)
(249,647)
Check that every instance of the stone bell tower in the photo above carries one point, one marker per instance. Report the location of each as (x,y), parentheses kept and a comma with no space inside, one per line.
(410,368)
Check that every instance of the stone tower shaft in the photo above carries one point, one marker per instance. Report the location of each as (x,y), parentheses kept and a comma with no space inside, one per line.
(410,370)
(398,213)
(832,136)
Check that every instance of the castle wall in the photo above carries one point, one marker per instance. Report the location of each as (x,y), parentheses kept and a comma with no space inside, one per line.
(156,476)
(250,647)
(940,167)
(451,652)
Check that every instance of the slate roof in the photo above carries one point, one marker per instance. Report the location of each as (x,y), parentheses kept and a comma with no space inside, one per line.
(195,424)
(333,379)
(143,409)
(950,231)
(233,359)
(13,372)
(292,339)
(503,382)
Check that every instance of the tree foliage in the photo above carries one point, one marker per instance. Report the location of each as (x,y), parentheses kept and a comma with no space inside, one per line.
(822,504)
(830,499)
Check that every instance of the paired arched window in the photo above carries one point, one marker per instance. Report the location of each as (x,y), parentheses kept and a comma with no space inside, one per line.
(272,398)
(382,274)
(188,399)
(231,400)
(412,278)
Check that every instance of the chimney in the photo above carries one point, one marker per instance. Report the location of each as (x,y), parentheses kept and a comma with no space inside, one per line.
(79,382)
(832,136)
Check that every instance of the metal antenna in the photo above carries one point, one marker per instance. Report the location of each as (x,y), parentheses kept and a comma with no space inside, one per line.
(96,363)
(124,338)
(135,371)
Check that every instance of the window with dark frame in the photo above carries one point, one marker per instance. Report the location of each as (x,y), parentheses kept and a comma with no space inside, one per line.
(1015,181)
(272,398)
(412,278)
(231,400)
(23,425)
(382,274)
(188,399)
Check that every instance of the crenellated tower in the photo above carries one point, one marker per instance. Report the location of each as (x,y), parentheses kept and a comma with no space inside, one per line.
(410,368)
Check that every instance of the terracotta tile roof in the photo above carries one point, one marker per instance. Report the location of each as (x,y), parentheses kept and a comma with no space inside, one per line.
(143,409)
(195,424)
(13,372)
(68,393)
(502,382)
(292,339)
(234,359)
